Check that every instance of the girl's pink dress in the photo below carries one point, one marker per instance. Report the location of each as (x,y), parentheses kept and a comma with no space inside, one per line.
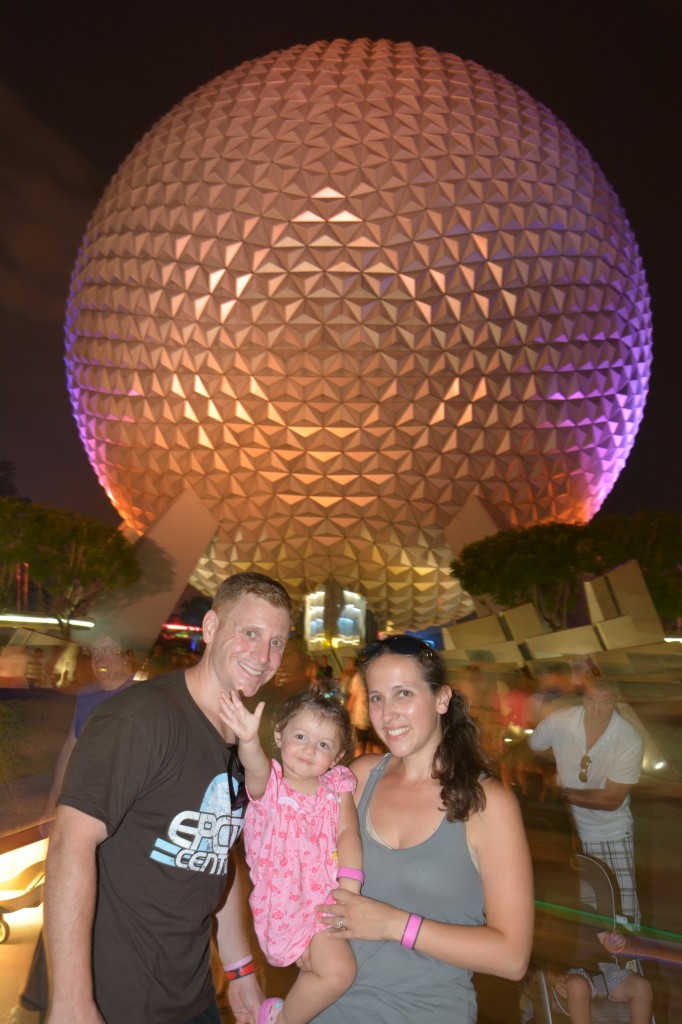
(290,840)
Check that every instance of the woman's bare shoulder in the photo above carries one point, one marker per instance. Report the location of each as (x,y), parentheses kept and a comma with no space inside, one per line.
(362,766)
(498,796)
(501,810)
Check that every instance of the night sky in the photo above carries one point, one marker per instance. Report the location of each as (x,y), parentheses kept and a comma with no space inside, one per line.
(82,84)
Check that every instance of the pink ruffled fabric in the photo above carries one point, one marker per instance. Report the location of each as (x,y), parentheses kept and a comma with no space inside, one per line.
(290,841)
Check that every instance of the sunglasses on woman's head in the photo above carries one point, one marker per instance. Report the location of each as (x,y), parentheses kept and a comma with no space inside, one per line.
(411,646)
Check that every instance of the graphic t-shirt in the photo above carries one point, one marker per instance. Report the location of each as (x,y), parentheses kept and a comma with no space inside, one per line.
(170,791)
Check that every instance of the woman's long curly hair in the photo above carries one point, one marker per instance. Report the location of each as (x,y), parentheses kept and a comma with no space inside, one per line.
(460,762)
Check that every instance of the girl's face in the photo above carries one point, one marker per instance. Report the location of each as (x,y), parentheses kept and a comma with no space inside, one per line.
(310,746)
(404,711)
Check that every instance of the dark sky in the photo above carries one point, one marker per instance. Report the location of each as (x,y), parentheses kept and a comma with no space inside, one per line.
(80,83)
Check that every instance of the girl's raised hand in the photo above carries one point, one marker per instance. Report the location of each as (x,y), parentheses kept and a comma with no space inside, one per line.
(238,718)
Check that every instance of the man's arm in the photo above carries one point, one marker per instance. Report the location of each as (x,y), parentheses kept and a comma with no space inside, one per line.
(542,736)
(57,779)
(244,994)
(70,898)
(607,799)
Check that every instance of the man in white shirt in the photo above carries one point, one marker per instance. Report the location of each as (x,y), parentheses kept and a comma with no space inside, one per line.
(598,755)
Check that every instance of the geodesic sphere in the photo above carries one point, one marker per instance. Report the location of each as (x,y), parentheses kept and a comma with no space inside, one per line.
(338,291)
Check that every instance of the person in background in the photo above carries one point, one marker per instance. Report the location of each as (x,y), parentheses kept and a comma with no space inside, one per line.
(113,668)
(482,691)
(601,976)
(311,674)
(325,671)
(627,944)
(349,669)
(158,663)
(358,710)
(152,802)
(598,756)
(554,690)
(448,883)
(34,673)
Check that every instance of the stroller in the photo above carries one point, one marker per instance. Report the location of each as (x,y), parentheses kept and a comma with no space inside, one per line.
(22,891)
(598,897)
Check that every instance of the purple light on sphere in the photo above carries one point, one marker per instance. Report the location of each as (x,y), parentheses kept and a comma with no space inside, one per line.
(341,289)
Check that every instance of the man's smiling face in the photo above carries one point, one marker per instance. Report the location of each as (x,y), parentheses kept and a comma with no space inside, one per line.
(245,643)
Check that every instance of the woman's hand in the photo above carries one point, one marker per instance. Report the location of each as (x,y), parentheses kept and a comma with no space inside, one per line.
(361,917)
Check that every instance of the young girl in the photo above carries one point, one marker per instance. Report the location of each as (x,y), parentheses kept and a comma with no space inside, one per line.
(301,836)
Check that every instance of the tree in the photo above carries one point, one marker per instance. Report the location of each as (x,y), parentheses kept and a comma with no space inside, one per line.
(655,540)
(194,608)
(547,564)
(542,564)
(73,559)
(7,486)
(13,519)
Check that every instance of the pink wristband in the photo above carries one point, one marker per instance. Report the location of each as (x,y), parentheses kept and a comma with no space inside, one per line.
(238,964)
(414,923)
(357,876)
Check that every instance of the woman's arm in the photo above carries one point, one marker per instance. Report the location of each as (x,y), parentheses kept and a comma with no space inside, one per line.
(498,838)
(502,945)
(245,727)
(348,845)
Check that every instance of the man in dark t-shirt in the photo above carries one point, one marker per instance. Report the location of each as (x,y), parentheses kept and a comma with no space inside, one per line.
(152,803)
(112,671)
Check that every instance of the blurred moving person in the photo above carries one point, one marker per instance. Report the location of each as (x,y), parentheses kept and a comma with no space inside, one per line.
(598,756)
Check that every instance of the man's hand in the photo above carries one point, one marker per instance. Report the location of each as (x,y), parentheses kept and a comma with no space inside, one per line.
(245,996)
(613,941)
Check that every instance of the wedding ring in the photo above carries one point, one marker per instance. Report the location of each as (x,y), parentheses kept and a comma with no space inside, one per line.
(339,923)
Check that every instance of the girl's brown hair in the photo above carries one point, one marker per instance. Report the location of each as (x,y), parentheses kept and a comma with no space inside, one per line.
(325,703)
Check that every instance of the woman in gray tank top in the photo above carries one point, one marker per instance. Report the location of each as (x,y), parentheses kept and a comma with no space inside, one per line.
(448,887)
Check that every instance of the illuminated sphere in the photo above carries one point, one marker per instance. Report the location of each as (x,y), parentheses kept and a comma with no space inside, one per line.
(338,291)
